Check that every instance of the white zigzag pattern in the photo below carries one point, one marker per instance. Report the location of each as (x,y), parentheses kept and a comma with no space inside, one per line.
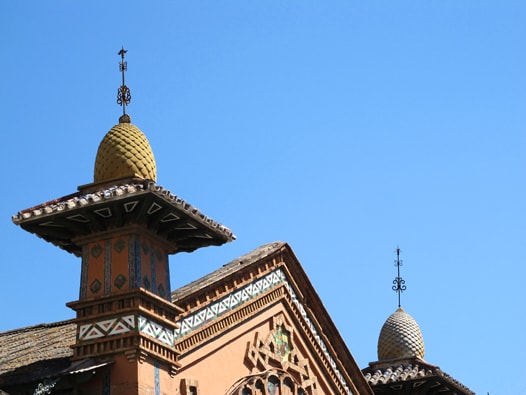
(312,328)
(156,331)
(104,328)
(231,301)
(248,292)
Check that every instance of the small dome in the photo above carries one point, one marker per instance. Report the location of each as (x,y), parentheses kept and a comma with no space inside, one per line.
(400,337)
(124,152)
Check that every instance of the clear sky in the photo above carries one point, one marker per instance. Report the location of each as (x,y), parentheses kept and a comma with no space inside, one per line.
(345,128)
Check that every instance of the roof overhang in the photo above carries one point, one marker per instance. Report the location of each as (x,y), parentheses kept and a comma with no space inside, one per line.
(63,221)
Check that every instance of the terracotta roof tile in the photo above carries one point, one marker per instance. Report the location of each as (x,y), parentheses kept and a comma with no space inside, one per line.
(227,269)
(402,370)
(22,347)
(78,200)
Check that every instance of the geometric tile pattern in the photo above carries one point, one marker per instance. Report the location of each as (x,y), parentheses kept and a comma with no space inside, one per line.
(183,226)
(156,331)
(120,281)
(317,337)
(241,296)
(113,326)
(229,302)
(95,286)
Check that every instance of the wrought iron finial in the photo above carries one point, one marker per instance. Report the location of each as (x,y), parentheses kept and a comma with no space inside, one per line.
(399,283)
(123,93)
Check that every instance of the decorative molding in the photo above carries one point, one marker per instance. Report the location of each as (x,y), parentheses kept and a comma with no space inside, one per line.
(243,295)
(277,350)
(158,332)
(104,328)
(228,303)
(120,325)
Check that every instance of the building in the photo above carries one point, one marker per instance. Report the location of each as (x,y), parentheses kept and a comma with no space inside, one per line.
(254,326)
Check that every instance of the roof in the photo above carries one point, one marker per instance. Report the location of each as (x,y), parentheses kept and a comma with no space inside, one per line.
(400,337)
(123,152)
(62,221)
(235,283)
(227,269)
(45,349)
(412,373)
(36,351)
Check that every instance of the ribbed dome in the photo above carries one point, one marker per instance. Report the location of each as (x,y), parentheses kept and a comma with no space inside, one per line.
(124,152)
(400,337)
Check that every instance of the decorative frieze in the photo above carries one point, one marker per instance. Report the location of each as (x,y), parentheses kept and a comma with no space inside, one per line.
(105,328)
(247,293)
(228,303)
(158,332)
(125,324)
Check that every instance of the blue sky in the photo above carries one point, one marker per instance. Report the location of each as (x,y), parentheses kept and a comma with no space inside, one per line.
(343,128)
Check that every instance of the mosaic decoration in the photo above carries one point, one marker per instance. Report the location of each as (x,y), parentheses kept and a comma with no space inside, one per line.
(120,281)
(107,267)
(95,286)
(153,271)
(245,294)
(281,338)
(134,256)
(84,274)
(114,326)
(224,305)
(277,346)
(96,251)
(161,291)
(317,337)
(157,378)
(168,296)
(146,283)
(120,245)
(156,331)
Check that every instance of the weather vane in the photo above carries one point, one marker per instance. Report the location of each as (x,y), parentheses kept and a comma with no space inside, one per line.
(123,93)
(399,283)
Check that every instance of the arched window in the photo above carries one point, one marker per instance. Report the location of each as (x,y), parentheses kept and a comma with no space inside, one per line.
(269,383)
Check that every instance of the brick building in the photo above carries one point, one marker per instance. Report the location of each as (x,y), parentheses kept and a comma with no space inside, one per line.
(254,326)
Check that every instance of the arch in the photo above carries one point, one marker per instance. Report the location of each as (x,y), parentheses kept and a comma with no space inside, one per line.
(272,382)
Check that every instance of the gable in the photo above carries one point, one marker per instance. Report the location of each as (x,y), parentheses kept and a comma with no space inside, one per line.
(236,315)
(256,325)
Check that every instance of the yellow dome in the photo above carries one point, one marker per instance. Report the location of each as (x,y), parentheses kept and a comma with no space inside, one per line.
(124,152)
(400,337)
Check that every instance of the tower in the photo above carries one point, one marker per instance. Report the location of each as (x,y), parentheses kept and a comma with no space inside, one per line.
(124,226)
(401,368)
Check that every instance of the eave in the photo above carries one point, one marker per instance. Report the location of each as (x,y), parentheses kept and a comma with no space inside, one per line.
(63,221)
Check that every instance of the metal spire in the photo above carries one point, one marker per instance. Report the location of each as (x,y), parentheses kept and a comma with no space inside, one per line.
(123,93)
(399,283)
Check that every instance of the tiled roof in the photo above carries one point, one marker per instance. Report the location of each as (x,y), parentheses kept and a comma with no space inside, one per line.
(227,269)
(410,370)
(396,373)
(62,220)
(49,344)
(78,200)
(39,348)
